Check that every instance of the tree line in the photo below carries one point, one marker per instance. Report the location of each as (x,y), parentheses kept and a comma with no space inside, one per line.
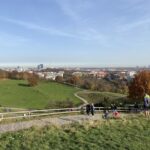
(32,78)
(94,84)
(135,89)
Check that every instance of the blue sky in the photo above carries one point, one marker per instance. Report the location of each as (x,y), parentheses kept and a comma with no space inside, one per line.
(75,32)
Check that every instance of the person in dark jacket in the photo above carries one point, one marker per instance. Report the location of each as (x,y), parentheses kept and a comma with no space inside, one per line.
(136,107)
(92,109)
(106,114)
(113,107)
(88,109)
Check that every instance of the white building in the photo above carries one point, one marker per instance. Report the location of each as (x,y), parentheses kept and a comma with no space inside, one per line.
(41,74)
(19,69)
(132,74)
(50,75)
(53,75)
(60,73)
(79,74)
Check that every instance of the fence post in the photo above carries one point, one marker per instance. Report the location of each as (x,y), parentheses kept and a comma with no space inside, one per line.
(2,117)
(29,114)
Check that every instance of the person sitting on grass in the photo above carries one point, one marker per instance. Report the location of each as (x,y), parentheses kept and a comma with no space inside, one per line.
(106,114)
(116,114)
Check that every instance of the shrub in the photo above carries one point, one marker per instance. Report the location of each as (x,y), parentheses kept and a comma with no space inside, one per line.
(33,80)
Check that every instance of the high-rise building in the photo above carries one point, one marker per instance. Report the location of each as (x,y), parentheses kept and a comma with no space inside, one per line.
(40,66)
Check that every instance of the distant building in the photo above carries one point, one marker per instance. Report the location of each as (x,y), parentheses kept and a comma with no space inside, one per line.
(93,73)
(60,73)
(53,75)
(30,71)
(132,74)
(41,75)
(122,74)
(101,74)
(79,74)
(40,66)
(19,69)
(50,75)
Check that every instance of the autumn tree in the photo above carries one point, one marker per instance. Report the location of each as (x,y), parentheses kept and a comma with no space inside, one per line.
(59,79)
(3,74)
(25,75)
(88,84)
(140,85)
(15,75)
(74,80)
(33,80)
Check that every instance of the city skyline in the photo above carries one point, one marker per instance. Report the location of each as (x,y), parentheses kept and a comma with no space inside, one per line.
(60,65)
(82,33)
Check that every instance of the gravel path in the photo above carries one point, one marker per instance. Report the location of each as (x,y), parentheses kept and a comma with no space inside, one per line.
(46,121)
(81,98)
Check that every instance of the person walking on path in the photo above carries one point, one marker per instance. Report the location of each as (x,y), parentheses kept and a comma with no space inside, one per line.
(146,104)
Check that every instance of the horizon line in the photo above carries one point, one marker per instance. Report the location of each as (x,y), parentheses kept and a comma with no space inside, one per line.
(69,65)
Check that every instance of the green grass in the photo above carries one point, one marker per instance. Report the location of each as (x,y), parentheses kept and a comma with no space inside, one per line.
(105,98)
(127,134)
(15,93)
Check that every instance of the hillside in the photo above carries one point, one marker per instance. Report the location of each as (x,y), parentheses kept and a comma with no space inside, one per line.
(103,98)
(127,134)
(16,93)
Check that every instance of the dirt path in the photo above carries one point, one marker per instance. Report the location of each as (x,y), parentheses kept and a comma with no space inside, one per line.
(11,127)
(81,98)
(87,92)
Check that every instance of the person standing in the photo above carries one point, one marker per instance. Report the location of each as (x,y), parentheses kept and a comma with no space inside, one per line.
(88,109)
(136,107)
(106,114)
(146,105)
(113,107)
(92,109)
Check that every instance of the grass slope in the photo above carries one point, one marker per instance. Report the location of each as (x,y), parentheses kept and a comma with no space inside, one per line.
(15,93)
(102,97)
(128,134)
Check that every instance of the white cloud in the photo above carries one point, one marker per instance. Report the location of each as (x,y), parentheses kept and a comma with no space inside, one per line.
(66,8)
(36,27)
(74,8)
(133,25)
(86,34)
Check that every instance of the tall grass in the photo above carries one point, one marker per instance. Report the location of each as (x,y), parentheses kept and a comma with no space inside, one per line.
(127,134)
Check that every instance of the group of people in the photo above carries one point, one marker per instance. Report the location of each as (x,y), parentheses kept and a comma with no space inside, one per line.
(115,113)
(90,109)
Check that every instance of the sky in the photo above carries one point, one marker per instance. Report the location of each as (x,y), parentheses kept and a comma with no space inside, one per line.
(86,33)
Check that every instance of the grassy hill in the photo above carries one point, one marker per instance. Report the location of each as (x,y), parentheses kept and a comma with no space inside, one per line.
(105,98)
(127,134)
(16,93)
